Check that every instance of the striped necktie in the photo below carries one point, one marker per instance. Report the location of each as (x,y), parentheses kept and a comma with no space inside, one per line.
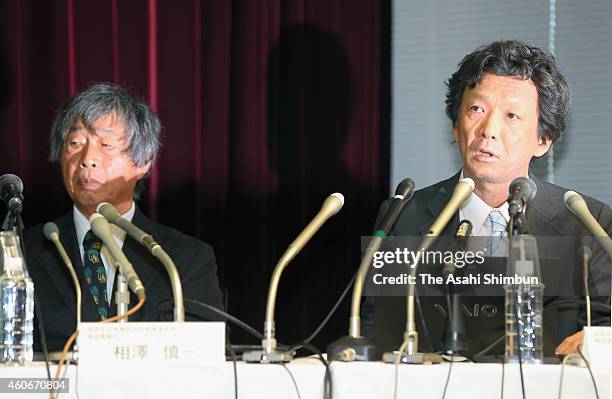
(95,274)
(497,245)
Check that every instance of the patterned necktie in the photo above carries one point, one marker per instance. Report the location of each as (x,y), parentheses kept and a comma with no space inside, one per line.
(498,241)
(95,273)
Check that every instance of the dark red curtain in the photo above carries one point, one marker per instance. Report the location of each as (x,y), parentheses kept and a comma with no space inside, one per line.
(268,106)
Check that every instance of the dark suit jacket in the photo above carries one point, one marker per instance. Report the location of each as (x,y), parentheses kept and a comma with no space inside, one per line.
(546,215)
(194,259)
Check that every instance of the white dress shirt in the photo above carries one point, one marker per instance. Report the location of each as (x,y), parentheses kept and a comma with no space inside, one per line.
(477,211)
(81,223)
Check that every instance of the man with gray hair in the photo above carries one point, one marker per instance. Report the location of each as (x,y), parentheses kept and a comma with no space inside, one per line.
(106,142)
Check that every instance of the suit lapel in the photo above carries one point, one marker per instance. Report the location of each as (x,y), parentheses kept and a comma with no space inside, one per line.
(63,281)
(540,213)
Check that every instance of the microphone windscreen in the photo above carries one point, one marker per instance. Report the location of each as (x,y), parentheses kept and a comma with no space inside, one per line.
(585,250)
(108,211)
(525,184)
(10,179)
(340,197)
(332,204)
(570,197)
(405,187)
(49,229)
(468,181)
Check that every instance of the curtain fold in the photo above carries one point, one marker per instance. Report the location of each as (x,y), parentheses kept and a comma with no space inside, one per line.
(267,107)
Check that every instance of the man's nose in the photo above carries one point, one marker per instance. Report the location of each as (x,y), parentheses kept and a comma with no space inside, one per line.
(90,157)
(492,126)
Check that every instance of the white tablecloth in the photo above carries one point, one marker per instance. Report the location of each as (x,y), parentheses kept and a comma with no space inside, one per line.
(350,380)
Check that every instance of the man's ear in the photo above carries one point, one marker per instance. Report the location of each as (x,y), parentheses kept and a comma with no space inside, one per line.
(544,144)
(142,170)
(455,132)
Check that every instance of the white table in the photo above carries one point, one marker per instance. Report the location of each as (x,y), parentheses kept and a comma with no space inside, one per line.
(350,380)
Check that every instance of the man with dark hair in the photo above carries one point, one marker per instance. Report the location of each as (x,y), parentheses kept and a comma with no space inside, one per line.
(508,104)
(106,141)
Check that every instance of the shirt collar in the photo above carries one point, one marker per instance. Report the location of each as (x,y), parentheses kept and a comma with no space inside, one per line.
(477,211)
(82,226)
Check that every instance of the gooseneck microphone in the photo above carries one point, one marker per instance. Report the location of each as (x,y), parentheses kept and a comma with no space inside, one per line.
(585,256)
(354,346)
(52,233)
(462,191)
(522,190)
(577,205)
(11,189)
(330,207)
(101,228)
(403,193)
(112,215)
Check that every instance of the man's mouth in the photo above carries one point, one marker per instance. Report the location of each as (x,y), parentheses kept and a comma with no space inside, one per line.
(88,183)
(485,155)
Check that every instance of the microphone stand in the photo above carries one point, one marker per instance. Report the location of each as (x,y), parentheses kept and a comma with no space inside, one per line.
(409,351)
(411,354)
(354,346)
(13,221)
(454,330)
(269,352)
(122,297)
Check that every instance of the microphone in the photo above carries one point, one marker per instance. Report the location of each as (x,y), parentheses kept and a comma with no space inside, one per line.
(403,193)
(459,243)
(52,233)
(101,228)
(576,204)
(330,207)
(354,346)
(11,189)
(522,190)
(585,255)
(462,191)
(112,215)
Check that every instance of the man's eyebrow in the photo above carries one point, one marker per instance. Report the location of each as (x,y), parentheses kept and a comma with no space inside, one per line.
(75,128)
(106,130)
(509,102)
(478,96)
(97,132)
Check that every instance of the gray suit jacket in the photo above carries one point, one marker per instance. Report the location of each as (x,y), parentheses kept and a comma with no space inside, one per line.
(546,215)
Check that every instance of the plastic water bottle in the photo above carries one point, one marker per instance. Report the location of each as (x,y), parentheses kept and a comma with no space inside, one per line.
(17,313)
(523,305)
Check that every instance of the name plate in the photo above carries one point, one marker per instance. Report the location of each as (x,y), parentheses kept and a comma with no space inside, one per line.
(597,347)
(189,344)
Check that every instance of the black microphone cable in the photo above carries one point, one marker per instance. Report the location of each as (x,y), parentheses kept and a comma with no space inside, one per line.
(332,310)
(246,327)
(228,347)
(450,368)
(590,372)
(295,385)
(566,359)
(327,387)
